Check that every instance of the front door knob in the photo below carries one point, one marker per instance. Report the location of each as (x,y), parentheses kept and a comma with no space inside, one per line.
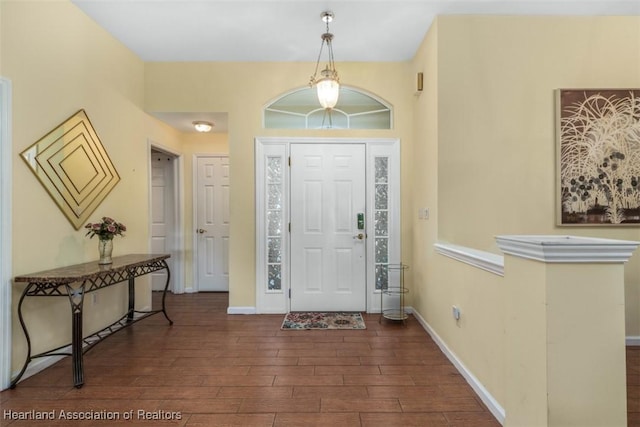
(201,230)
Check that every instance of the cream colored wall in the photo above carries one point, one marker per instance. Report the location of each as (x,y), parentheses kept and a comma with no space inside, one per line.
(554,340)
(493,135)
(497,115)
(424,177)
(439,282)
(60,61)
(525,365)
(497,122)
(583,335)
(242,90)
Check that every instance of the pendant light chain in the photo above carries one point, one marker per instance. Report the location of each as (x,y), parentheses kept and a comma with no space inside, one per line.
(328,83)
(332,63)
(315,72)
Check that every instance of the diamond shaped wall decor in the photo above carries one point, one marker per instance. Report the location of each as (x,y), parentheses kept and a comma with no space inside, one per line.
(73,167)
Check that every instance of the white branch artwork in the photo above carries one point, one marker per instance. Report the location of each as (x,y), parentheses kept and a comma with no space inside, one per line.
(600,156)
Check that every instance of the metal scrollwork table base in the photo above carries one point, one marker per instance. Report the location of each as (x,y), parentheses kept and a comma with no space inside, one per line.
(75,282)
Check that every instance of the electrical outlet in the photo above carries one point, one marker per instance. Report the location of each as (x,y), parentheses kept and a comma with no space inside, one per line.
(456,312)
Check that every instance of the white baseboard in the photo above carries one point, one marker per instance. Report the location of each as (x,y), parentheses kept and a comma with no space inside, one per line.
(241,310)
(492,404)
(633,341)
(41,363)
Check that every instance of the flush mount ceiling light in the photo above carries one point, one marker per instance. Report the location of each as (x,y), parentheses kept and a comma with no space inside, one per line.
(203,126)
(327,84)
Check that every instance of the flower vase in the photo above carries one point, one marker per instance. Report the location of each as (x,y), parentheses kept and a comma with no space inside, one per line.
(105,247)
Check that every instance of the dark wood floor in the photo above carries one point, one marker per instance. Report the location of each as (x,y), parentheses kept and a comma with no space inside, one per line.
(212,369)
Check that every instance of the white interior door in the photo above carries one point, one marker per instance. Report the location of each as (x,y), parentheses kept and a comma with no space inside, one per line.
(212,223)
(162,212)
(328,250)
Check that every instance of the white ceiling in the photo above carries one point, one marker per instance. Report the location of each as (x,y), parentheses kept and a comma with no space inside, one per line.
(289,30)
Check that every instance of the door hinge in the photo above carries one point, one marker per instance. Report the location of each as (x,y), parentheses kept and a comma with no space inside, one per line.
(289,227)
(289,161)
(289,293)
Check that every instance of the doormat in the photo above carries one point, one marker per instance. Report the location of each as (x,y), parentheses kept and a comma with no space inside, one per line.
(325,320)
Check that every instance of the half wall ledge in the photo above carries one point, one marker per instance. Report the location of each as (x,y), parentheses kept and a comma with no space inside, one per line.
(483,260)
(567,249)
(565,330)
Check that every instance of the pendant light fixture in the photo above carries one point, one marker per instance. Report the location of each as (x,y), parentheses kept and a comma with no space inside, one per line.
(327,84)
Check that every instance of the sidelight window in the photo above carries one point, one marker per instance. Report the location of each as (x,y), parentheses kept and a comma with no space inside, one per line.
(275,221)
(381,222)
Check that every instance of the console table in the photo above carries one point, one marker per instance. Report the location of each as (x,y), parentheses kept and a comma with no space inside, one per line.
(74,282)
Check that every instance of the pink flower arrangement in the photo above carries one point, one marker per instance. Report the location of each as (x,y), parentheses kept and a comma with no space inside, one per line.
(106,229)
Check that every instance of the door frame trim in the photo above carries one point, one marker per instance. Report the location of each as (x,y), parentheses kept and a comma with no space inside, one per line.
(194,211)
(6,283)
(177,285)
(277,301)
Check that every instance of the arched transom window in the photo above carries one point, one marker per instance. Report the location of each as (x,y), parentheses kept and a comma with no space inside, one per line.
(355,110)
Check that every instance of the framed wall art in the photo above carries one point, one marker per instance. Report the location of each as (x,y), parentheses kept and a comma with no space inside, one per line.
(72,165)
(598,157)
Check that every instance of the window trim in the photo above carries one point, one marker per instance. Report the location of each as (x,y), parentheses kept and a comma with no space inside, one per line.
(268,107)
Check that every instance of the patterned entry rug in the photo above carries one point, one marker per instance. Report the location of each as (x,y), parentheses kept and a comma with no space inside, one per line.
(326,320)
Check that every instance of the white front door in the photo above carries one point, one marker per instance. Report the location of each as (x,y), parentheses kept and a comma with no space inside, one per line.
(162,213)
(328,250)
(212,223)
